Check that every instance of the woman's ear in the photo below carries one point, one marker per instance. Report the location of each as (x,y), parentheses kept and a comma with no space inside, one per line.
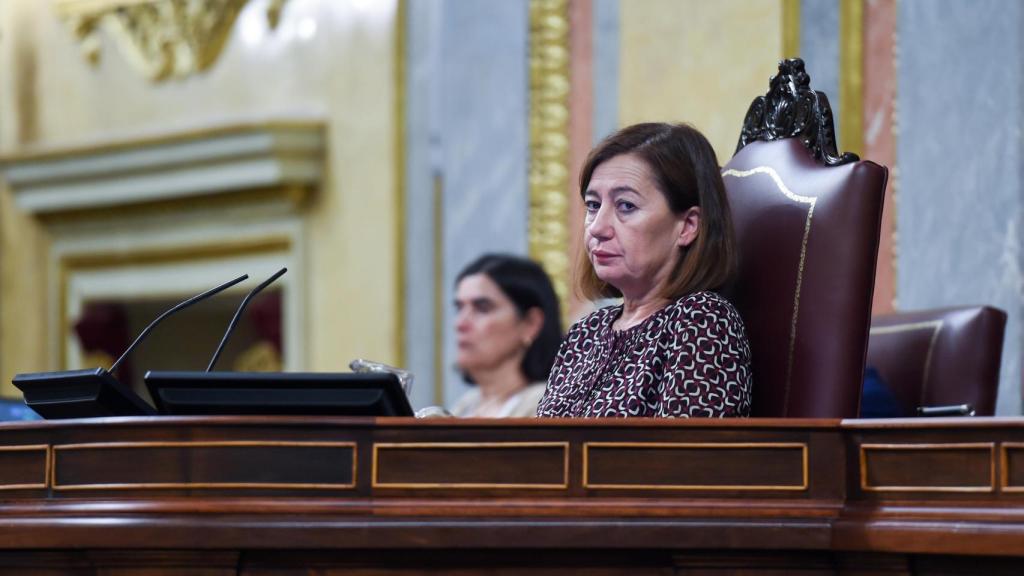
(533,322)
(691,227)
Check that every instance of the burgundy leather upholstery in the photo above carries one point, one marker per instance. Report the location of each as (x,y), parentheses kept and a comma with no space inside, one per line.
(940,357)
(807,243)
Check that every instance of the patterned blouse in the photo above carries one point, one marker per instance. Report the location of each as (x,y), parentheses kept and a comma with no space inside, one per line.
(690,358)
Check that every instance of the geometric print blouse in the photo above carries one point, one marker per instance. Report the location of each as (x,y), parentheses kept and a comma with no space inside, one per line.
(689,359)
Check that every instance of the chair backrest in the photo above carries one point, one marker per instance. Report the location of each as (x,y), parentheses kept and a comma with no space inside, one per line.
(807,226)
(940,357)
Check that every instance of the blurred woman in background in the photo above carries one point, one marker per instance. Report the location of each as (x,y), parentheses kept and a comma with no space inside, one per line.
(508,330)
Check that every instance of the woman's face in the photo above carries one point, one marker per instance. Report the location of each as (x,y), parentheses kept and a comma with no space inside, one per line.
(488,327)
(632,236)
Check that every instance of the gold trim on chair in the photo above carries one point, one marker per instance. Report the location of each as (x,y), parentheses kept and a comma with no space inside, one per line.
(202,485)
(810,201)
(936,326)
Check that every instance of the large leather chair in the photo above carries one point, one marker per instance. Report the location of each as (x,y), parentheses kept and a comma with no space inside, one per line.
(807,224)
(945,357)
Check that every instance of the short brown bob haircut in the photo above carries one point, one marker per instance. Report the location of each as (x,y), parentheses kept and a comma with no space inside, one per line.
(686,171)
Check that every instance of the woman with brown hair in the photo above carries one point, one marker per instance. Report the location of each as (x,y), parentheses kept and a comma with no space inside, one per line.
(658,234)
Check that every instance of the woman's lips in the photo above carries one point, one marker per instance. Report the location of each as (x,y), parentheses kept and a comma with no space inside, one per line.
(603,256)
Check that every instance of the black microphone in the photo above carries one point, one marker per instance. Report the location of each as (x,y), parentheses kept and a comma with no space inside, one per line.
(238,315)
(94,391)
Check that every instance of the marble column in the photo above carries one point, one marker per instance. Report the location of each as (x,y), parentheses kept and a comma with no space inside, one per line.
(606,46)
(467,141)
(960,112)
(819,48)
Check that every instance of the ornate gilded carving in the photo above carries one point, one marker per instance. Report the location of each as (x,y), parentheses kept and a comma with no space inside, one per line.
(549,140)
(161,38)
(792,109)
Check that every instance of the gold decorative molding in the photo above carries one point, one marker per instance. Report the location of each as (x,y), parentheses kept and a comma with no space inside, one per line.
(790,29)
(160,38)
(399,74)
(549,141)
(851,75)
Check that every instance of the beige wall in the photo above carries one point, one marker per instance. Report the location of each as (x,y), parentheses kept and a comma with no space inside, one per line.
(342,73)
(698,62)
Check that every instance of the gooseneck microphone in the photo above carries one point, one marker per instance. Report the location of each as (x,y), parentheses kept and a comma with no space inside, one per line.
(95,392)
(179,306)
(238,315)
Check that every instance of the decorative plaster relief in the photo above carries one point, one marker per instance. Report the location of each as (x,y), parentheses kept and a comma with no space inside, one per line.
(161,38)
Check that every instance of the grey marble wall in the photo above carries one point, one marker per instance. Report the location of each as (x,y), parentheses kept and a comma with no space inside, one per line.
(422,150)
(819,47)
(606,50)
(960,196)
(467,99)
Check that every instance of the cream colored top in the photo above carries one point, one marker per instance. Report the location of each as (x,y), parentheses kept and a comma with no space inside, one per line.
(519,405)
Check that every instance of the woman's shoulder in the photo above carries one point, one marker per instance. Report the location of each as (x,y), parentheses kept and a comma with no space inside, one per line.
(704,300)
(705,304)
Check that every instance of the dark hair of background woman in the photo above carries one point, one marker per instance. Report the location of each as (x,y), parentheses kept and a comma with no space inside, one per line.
(527,286)
(685,169)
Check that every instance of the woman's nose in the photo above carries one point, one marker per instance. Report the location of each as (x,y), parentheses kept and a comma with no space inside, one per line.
(600,226)
(461,321)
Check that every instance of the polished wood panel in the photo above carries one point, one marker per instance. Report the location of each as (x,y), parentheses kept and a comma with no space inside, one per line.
(728,466)
(287,495)
(204,465)
(1012,466)
(24,467)
(911,467)
(424,465)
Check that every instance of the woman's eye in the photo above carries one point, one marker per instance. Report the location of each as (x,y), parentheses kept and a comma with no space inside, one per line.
(626,206)
(592,205)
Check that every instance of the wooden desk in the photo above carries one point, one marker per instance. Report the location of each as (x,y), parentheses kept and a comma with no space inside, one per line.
(233,495)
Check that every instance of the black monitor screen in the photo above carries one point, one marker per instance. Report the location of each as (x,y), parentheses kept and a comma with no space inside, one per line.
(277,393)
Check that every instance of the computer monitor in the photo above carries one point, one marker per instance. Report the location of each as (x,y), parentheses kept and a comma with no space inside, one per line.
(79,394)
(277,393)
